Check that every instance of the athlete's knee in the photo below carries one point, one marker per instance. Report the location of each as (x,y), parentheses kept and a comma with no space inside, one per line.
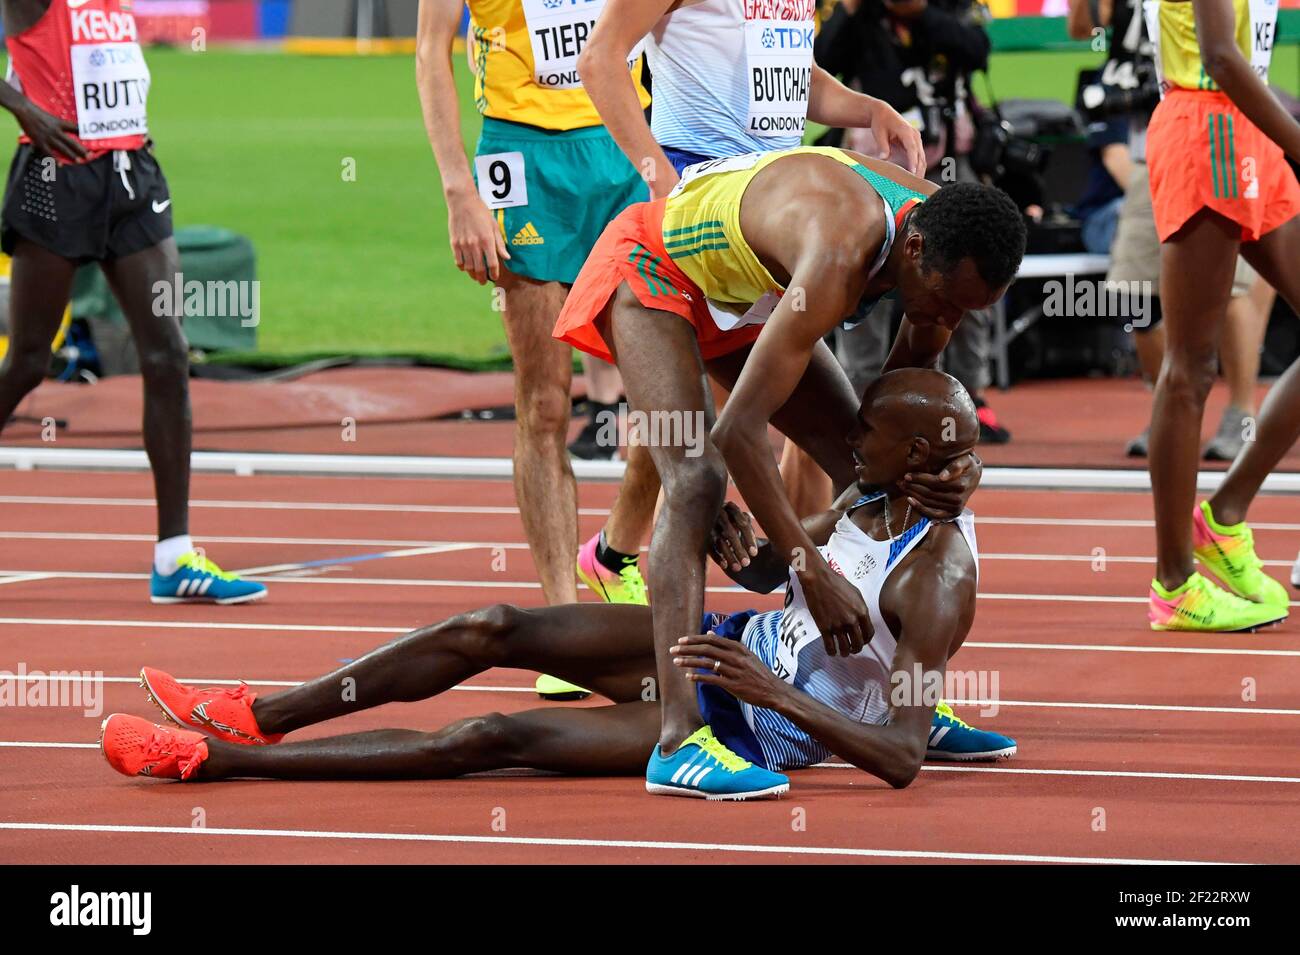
(1190,371)
(26,368)
(696,486)
(472,740)
(483,637)
(166,361)
(544,407)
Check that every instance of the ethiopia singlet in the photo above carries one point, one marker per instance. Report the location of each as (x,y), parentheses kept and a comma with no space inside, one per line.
(701,230)
(82,62)
(789,643)
(732,76)
(524,54)
(1172,27)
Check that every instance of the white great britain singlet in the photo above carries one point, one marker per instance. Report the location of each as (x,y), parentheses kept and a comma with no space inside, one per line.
(789,642)
(732,76)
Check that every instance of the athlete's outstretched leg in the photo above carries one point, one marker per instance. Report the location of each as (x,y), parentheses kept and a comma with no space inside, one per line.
(598,741)
(165,368)
(39,286)
(607,648)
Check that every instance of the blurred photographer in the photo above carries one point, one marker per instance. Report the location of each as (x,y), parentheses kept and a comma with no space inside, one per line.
(916,55)
(1128,90)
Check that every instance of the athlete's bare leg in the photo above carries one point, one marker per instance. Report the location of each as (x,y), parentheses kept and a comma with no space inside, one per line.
(39,286)
(544,486)
(1243,334)
(605,647)
(1196,268)
(608,648)
(165,369)
(659,358)
(1274,256)
(596,741)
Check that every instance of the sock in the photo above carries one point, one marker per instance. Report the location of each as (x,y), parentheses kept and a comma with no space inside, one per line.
(612,559)
(165,553)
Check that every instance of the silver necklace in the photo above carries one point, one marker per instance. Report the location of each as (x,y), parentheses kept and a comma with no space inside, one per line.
(907,516)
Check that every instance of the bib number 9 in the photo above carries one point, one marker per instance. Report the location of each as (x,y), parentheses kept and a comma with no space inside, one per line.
(501,182)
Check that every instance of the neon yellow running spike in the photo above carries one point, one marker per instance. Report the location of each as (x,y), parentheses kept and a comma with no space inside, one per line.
(705,740)
(199,563)
(1201,606)
(553,688)
(1228,552)
(627,586)
(943,708)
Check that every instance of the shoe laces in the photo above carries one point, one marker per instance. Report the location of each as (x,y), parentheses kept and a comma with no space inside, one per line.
(729,760)
(945,710)
(633,582)
(163,743)
(200,563)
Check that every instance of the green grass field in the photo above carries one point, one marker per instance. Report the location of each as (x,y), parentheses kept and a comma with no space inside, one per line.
(257,142)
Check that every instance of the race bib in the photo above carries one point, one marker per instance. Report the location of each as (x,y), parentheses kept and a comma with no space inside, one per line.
(501,182)
(1263,34)
(558,30)
(779,51)
(112,90)
(728,316)
(710,166)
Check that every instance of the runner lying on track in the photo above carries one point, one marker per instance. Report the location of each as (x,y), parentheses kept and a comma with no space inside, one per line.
(776,690)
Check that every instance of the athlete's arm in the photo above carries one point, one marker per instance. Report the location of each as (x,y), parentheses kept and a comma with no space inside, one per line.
(603,68)
(932,600)
(831,103)
(476,241)
(48,134)
(830,250)
(1216,30)
(750,560)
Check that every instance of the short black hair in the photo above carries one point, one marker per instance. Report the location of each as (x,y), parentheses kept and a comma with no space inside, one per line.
(968,220)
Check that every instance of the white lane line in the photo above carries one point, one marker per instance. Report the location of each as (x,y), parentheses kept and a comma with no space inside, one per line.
(65,677)
(20,578)
(82,536)
(332,628)
(842,851)
(509,510)
(1117,648)
(1093,773)
(92,537)
(533,585)
(444,548)
(928,767)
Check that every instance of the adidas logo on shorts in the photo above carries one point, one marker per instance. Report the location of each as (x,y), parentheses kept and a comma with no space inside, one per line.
(528,235)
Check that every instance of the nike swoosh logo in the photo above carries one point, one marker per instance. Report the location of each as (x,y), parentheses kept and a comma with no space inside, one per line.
(159,207)
(74,4)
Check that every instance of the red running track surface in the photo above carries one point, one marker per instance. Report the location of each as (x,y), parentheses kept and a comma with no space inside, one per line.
(1152,736)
